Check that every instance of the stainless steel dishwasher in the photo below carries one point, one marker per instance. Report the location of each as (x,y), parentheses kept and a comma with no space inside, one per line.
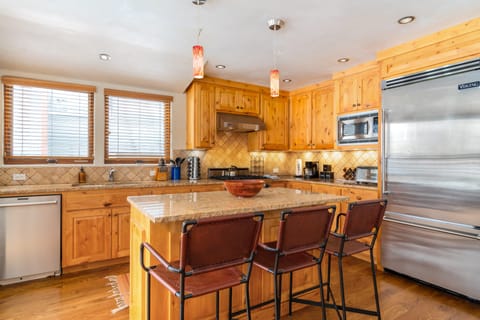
(29,238)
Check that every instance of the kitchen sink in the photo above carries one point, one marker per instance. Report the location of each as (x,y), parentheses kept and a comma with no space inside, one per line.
(107,183)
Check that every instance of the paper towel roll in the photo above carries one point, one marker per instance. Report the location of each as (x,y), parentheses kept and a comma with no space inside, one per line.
(298,167)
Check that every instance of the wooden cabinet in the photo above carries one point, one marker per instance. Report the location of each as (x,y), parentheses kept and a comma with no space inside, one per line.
(235,100)
(87,236)
(323,120)
(275,115)
(96,225)
(300,121)
(312,119)
(120,232)
(359,91)
(200,116)
(357,194)
(300,185)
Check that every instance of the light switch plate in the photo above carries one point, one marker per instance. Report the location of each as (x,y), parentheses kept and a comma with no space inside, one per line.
(152,173)
(19,176)
(275,170)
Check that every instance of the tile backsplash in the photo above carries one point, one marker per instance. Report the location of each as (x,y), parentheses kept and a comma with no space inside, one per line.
(230,149)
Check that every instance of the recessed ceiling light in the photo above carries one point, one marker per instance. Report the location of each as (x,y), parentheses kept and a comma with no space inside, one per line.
(287,80)
(343,60)
(406,20)
(104,56)
(220,66)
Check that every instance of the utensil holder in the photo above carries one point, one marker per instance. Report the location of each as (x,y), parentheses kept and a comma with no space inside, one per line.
(175,173)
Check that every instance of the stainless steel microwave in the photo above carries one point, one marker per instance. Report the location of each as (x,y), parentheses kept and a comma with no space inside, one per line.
(358,128)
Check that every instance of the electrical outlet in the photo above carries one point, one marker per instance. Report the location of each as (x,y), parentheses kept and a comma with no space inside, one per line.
(19,176)
(152,173)
(275,170)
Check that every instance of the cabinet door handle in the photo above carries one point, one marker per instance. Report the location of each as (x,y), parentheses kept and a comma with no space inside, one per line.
(107,204)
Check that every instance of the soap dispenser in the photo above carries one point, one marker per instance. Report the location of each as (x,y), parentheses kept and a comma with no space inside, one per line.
(82,176)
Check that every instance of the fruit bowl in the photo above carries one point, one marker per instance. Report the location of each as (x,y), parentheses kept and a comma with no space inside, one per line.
(244,188)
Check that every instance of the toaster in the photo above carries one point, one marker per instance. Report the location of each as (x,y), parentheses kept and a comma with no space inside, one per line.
(366,175)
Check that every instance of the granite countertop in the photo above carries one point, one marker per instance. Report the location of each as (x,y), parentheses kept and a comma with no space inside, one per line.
(52,188)
(56,188)
(194,205)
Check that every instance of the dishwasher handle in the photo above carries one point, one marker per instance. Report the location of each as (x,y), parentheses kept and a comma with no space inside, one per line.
(25,204)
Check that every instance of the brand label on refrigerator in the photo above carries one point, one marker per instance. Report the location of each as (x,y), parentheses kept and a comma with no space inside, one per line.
(469,85)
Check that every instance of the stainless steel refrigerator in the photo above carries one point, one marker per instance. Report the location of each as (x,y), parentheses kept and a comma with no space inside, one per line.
(431,177)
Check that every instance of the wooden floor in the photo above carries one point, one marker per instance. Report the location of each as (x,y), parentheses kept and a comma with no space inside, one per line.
(84,296)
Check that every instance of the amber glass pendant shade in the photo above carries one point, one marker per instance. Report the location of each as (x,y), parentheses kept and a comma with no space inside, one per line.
(197,62)
(274,83)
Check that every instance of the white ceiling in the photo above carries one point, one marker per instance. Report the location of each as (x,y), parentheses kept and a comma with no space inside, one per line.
(150,40)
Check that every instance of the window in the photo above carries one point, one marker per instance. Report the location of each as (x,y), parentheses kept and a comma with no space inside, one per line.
(137,127)
(47,122)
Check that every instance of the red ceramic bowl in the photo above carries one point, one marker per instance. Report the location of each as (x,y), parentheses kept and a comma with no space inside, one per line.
(244,188)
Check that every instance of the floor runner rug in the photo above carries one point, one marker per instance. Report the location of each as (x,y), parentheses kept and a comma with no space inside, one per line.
(120,290)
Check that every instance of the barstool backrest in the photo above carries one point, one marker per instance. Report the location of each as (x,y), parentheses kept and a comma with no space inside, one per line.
(364,218)
(304,229)
(216,243)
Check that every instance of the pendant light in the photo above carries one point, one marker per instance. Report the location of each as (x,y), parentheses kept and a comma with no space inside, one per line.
(275,24)
(198,49)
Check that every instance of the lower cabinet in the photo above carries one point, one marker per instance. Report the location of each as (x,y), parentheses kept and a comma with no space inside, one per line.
(96,223)
(299,185)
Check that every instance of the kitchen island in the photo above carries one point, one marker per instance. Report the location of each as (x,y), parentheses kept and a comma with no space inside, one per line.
(157,219)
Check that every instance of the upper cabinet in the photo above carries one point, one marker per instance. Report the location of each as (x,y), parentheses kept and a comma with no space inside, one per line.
(357,89)
(274,112)
(312,118)
(235,100)
(323,118)
(200,116)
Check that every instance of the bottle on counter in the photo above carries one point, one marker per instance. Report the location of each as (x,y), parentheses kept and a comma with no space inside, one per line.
(161,172)
(82,176)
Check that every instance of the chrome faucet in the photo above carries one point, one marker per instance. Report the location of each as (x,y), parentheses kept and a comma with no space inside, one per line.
(110,175)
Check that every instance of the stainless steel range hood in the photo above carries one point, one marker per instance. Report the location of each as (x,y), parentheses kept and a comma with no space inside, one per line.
(238,123)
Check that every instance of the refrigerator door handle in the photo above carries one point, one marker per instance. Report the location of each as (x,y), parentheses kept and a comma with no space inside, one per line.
(384,150)
(422,226)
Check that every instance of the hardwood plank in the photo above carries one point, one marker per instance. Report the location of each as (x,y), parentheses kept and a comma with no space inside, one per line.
(84,295)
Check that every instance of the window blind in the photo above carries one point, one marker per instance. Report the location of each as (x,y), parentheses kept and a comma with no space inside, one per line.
(137,126)
(47,122)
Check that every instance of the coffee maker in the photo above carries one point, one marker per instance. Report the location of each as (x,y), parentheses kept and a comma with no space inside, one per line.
(310,171)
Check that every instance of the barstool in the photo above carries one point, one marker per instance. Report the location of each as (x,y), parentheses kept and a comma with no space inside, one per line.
(301,231)
(212,251)
(362,220)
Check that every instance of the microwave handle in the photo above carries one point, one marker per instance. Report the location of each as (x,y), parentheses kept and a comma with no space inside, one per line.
(384,146)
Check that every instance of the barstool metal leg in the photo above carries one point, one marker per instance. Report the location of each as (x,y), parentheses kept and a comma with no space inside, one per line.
(342,288)
(247,299)
(322,298)
(290,296)
(277,279)
(375,289)
(217,302)
(328,277)
(148,296)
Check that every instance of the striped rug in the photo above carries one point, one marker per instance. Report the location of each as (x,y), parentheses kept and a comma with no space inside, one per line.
(120,290)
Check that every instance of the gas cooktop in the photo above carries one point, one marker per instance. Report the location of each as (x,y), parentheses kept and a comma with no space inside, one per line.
(239,177)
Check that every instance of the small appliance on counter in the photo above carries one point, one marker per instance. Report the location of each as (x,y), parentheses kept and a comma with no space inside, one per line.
(327,174)
(298,168)
(367,175)
(310,171)
(193,168)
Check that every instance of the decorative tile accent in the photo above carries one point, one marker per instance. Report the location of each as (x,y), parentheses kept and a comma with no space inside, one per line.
(230,149)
